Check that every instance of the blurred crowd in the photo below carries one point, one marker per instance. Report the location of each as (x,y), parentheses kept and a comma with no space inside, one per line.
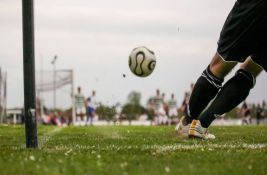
(159,109)
(168,111)
(248,111)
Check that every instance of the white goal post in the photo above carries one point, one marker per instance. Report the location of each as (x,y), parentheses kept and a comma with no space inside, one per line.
(48,81)
(3,94)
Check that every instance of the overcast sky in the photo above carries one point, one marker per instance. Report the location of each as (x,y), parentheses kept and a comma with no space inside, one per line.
(95,37)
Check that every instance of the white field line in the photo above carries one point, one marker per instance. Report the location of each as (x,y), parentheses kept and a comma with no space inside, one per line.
(47,136)
(161,148)
(209,147)
(155,148)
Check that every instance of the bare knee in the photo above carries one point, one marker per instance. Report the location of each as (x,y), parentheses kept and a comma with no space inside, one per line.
(250,66)
(219,67)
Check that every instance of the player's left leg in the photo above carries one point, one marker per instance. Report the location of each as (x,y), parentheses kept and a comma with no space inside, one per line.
(205,89)
(207,86)
(232,94)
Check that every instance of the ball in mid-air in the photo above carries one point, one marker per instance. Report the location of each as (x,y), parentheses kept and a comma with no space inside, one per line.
(142,61)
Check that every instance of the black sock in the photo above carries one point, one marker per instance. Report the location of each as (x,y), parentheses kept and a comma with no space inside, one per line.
(205,89)
(232,94)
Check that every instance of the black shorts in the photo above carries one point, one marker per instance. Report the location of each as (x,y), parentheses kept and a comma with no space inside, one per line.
(245,33)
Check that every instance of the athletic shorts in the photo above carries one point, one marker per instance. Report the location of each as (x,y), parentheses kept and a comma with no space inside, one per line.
(90,111)
(244,33)
(173,112)
(80,110)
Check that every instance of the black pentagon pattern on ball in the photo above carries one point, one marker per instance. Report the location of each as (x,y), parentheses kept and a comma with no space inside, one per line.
(139,65)
(130,61)
(151,65)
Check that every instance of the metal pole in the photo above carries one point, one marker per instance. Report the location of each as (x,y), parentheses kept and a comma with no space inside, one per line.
(29,74)
(54,86)
(1,105)
(5,97)
(54,81)
(40,92)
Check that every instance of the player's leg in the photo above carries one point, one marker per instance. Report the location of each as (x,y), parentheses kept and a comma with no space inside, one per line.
(92,118)
(207,86)
(232,93)
(84,116)
(78,115)
(87,119)
(205,89)
(239,39)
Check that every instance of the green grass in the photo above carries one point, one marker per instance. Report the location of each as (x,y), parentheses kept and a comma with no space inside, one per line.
(122,150)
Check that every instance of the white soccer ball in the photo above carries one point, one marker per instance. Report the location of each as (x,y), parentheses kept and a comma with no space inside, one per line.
(142,61)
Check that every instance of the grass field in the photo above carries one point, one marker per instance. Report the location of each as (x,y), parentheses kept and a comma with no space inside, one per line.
(123,150)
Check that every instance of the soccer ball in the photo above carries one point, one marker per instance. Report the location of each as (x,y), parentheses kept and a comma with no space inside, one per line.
(142,61)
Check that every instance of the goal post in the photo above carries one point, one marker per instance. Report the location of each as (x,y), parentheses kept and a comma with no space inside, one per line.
(73,99)
(48,81)
(29,74)
(3,95)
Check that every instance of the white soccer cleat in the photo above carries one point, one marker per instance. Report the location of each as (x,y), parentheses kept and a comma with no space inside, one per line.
(197,131)
(181,129)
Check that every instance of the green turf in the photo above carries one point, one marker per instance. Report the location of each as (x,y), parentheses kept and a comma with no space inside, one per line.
(124,150)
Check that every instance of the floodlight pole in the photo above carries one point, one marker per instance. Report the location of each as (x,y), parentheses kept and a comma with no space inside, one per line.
(29,74)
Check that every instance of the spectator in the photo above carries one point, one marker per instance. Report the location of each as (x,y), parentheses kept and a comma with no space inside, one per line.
(172,108)
(245,114)
(259,113)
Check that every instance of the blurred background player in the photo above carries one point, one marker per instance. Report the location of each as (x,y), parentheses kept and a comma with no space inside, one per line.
(172,109)
(187,94)
(90,111)
(164,114)
(91,105)
(159,108)
(259,113)
(245,113)
(80,107)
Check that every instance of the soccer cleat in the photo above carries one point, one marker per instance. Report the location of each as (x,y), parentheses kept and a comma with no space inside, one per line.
(197,131)
(182,129)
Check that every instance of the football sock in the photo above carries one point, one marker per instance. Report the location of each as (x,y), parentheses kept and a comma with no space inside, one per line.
(205,89)
(232,94)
